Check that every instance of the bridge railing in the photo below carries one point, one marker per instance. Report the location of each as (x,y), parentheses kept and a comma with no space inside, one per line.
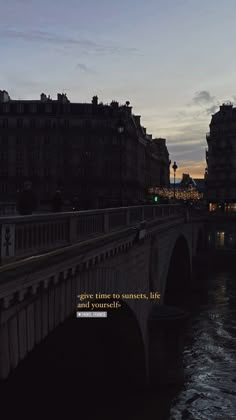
(7,208)
(23,236)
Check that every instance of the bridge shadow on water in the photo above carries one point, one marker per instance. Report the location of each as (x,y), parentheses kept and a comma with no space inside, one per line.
(86,366)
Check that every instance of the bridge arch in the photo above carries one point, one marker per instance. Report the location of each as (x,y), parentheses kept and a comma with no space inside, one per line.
(179,272)
(103,352)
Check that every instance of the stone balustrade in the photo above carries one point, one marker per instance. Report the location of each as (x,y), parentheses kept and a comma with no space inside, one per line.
(24,236)
(7,208)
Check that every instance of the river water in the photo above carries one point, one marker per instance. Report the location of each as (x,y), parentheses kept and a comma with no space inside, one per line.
(209,391)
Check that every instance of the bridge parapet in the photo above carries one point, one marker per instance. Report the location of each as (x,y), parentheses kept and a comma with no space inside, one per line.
(123,250)
(23,236)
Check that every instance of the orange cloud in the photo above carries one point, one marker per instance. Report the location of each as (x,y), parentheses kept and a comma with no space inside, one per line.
(196,169)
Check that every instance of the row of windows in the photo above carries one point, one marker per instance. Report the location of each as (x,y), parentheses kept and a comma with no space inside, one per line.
(74,142)
(33,123)
(55,123)
(33,108)
(30,155)
(78,147)
(5,188)
(20,171)
(47,171)
(34,141)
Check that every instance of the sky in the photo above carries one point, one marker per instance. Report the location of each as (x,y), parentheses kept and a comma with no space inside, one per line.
(174,60)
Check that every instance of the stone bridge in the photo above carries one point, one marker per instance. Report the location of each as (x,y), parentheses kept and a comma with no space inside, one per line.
(48,260)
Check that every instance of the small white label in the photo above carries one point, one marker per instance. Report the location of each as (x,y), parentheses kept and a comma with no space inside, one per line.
(91,314)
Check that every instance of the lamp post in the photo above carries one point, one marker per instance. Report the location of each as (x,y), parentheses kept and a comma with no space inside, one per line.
(174,167)
(120,130)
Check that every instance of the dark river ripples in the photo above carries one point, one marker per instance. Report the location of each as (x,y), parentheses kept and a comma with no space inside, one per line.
(209,391)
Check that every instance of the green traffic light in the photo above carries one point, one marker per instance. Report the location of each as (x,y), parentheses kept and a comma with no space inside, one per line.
(156,198)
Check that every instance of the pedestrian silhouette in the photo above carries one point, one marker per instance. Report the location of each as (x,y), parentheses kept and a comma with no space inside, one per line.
(57,201)
(75,203)
(26,201)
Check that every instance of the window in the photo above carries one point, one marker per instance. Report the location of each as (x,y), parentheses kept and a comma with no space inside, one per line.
(231,207)
(11,139)
(6,108)
(3,140)
(34,155)
(48,107)
(19,170)
(48,123)
(3,156)
(32,123)
(19,156)
(3,187)
(33,108)
(66,108)
(87,124)
(20,108)
(64,123)
(220,239)
(18,141)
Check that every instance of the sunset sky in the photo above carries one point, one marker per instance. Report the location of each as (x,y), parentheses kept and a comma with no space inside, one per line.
(174,60)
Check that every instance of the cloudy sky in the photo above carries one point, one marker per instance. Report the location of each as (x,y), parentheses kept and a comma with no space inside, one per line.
(174,60)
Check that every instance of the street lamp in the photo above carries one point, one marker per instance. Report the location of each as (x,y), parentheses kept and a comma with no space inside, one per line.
(120,129)
(174,167)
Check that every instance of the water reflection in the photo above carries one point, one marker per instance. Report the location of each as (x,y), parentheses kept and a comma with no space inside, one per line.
(210,356)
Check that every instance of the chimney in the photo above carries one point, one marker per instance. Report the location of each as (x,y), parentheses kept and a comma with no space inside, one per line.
(43,97)
(137,119)
(4,96)
(95,100)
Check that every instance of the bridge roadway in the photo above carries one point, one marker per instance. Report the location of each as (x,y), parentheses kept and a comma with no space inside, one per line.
(48,260)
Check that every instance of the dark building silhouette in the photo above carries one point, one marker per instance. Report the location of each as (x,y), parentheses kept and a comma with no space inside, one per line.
(221,160)
(100,153)
(186,181)
(200,185)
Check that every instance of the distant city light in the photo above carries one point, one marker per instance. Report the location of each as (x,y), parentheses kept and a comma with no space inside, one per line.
(180,193)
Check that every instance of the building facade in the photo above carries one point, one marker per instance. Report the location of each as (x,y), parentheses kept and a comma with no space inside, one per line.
(221,160)
(157,163)
(100,153)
